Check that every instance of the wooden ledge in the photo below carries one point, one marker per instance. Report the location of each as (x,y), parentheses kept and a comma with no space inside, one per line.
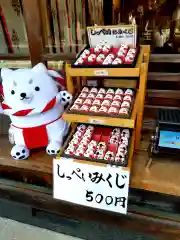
(39,161)
(162,177)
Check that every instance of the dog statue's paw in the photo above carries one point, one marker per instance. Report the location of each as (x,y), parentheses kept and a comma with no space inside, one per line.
(53,148)
(19,152)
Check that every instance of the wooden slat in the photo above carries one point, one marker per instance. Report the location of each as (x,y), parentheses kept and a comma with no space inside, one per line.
(58,57)
(173,94)
(46,28)
(162,58)
(34,30)
(162,76)
(160,106)
(162,101)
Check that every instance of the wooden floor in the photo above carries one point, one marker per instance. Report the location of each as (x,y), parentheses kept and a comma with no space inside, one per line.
(163,176)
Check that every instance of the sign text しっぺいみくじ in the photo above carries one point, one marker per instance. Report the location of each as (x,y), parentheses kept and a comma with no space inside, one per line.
(113,35)
(93,186)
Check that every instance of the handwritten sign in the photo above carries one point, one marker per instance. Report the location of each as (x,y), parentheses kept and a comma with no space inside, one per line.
(113,35)
(93,186)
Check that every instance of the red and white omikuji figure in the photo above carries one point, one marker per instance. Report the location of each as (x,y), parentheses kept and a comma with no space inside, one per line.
(35,104)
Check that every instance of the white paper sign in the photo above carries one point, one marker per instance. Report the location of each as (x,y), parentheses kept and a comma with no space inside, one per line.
(113,35)
(93,186)
(96,121)
(101,73)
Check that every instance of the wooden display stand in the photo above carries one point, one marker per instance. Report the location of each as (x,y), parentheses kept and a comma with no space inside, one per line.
(139,72)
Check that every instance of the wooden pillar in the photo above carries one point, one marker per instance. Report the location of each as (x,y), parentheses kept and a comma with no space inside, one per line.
(34,30)
(142,93)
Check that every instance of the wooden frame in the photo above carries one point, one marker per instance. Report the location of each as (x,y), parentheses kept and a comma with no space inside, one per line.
(41,198)
(139,71)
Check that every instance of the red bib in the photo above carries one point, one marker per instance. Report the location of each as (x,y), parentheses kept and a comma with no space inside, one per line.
(35,137)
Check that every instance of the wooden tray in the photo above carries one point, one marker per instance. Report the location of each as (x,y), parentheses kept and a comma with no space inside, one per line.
(132,65)
(104,120)
(102,114)
(126,164)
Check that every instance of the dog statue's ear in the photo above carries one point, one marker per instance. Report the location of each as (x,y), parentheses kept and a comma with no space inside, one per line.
(39,68)
(54,74)
(6,73)
(58,78)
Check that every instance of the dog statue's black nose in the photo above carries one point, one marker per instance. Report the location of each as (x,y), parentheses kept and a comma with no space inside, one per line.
(23,95)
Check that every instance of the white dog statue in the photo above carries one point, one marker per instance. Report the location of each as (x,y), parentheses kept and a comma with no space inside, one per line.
(35,105)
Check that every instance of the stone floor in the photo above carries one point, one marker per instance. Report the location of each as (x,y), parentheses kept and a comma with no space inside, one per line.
(13,230)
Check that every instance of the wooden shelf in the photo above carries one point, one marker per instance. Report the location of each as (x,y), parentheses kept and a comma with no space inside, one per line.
(107,72)
(101,120)
(139,71)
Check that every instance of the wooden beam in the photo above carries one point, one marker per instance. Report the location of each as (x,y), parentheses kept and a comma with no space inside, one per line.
(33,28)
(14,57)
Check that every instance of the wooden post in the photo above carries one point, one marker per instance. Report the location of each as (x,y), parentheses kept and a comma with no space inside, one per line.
(116,11)
(69,80)
(33,28)
(140,109)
